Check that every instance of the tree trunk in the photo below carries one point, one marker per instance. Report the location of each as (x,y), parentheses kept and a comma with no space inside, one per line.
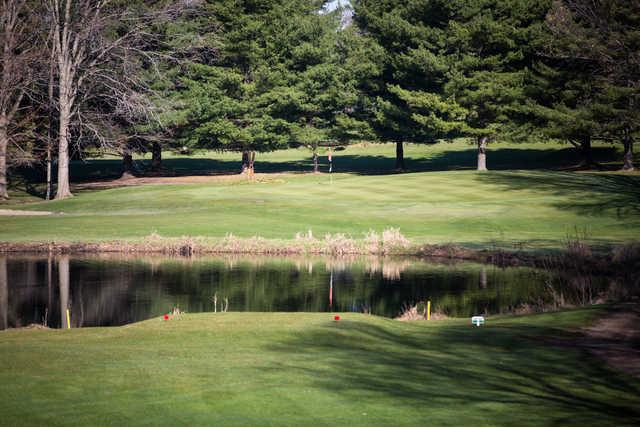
(50,130)
(127,164)
(252,159)
(156,157)
(482,153)
(4,142)
(399,156)
(63,191)
(66,97)
(49,165)
(628,153)
(585,150)
(63,279)
(245,162)
(315,162)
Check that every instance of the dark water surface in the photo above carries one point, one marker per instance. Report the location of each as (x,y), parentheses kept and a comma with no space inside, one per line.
(115,290)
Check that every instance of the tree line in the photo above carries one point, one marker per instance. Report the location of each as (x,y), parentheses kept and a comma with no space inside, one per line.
(248,76)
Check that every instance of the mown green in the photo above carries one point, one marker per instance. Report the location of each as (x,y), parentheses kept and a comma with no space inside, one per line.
(440,201)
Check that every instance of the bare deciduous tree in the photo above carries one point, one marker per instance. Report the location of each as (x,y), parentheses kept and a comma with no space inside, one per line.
(99,50)
(18,57)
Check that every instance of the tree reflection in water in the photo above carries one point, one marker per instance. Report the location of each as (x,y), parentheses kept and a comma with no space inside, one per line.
(107,290)
(4,294)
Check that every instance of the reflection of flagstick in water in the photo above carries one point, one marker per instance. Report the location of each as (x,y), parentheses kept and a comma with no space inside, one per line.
(331,291)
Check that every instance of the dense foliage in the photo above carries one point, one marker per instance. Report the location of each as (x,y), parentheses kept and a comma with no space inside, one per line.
(281,75)
(254,76)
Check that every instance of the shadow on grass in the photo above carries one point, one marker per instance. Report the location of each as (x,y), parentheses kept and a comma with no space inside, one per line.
(29,180)
(26,182)
(508,158)
(499,159)
(586,194)
(497,372)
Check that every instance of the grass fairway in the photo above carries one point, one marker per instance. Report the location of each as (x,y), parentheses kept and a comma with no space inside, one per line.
(440,201)
(239,369)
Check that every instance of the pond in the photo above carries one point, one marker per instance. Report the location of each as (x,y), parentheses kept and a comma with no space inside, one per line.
(108,290)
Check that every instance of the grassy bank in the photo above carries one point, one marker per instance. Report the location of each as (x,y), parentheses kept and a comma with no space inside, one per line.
(439,202)
(305,369)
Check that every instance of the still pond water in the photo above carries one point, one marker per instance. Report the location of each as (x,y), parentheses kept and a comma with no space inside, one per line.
(116,290)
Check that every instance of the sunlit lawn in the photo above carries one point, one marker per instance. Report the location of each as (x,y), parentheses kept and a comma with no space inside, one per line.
(305,369)
(440,201)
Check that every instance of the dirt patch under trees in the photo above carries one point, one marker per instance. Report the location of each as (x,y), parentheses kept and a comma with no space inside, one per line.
(14,212)
(614,338)
(130,181)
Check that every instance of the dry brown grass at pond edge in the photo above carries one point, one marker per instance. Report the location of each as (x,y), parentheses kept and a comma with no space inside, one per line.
(390,242)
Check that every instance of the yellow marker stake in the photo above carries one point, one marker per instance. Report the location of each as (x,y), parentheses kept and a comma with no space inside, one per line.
(428,310)
(68,320)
